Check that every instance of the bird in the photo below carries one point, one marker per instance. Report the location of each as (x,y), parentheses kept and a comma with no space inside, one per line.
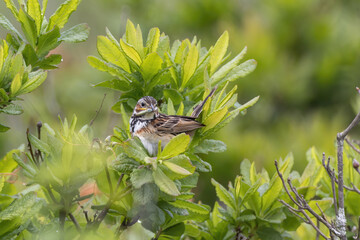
(151,126)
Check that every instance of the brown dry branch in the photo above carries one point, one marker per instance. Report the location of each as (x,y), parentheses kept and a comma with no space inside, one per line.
(303,207)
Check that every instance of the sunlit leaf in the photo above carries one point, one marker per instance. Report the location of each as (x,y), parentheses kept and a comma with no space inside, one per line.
(28,26)
(176,146)
(33,9)
(131,52)
(218,52)
(150,66)
(62,14)
(111,53)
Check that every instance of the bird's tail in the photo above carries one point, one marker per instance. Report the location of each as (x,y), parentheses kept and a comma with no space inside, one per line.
(198,108)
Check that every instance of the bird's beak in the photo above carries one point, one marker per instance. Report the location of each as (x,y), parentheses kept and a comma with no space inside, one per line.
(144,111)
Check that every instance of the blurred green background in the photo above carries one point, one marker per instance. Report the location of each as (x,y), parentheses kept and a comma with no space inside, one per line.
(308,66)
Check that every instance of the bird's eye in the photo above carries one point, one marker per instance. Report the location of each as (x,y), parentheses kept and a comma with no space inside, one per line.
(142,104)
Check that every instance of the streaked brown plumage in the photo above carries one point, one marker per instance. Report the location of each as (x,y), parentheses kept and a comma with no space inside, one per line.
(151,126)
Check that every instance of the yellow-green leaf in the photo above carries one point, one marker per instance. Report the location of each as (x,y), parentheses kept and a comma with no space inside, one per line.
(28,26)
(176,146)
(34,10)
(218,52)
(150,66)
(223,194)
(131,52)
(214,118)
(111,53)
(190,64)
(176,168)
(10,5)
(15,84)
(62,14)
(152,41)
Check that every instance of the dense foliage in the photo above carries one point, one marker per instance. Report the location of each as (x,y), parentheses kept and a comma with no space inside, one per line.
(68,184)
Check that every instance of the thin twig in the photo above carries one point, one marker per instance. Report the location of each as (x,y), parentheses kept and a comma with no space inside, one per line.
(97,111)
(73,219)
(332,176)
(301,203)
(352,145)
(30,147)
(317,225)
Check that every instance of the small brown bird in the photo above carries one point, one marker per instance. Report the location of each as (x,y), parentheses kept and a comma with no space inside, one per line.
(150,126)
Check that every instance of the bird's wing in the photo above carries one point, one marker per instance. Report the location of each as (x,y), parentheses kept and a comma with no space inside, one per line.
(175,124)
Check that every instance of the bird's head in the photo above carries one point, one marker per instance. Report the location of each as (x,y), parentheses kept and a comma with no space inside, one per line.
(146,108)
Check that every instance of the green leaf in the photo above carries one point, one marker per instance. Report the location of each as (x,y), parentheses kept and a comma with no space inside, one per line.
(150,66)
(12,109)
(33,9)
(103,66)
(28,26)
(176,168)
(223,194)
(275,185)
(35,80)
(190,206)
(164,183)
(134,37)
(3,128)
(19,207)
(39,144)
(115,84)
(324,204)
(224,70)
(146,193)
(78,33)
(29,55)
(214,118)
(218,52)
(50,62)
(248,104)
(133,149)
(268,233)
(174,95)
(124,164)
(170,107)
(111,53)
(174,231)
(176,145)
(245,171)
(131,52)
(190,65)
(210,145)
(152,41)
(240,71)
(10,5)
(352,200)
(8,164)
(15,85)
(140,177)
(62,14)
(5,23)
(48,42)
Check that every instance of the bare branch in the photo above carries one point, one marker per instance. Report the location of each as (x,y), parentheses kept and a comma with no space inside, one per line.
(352,145)
(73,219)
(331,173)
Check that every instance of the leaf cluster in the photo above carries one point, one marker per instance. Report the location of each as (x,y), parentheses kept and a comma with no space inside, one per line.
(25,57)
